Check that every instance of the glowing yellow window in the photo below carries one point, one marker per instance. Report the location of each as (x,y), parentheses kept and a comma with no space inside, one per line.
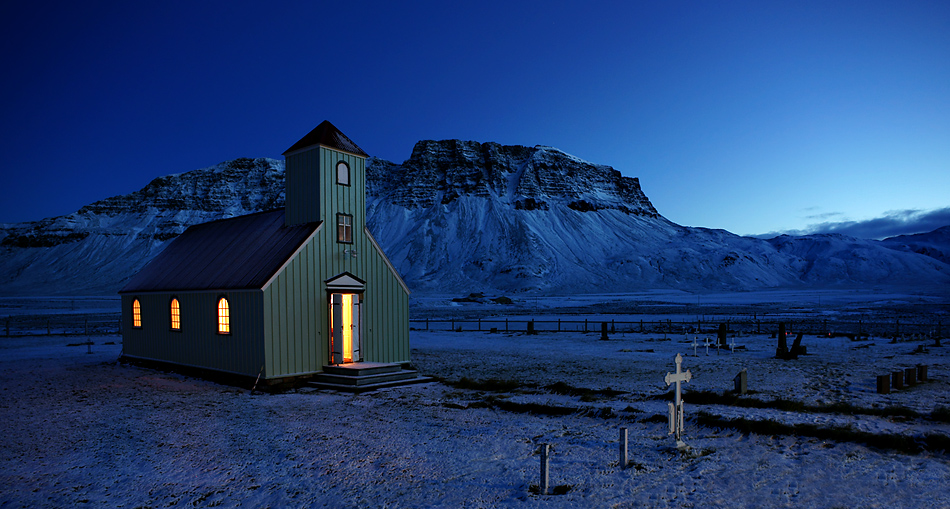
(224,316)
(176,315)
(136,313)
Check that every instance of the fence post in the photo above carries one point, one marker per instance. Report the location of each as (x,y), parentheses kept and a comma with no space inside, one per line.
(8,327)
(559,325)
(48,331)
(585,325)
(453,324)
(479,325)
(427,323)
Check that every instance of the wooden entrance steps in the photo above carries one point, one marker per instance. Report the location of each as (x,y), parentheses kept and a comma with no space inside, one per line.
(365,376)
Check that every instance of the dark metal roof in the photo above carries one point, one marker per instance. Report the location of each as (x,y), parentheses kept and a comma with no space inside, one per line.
(328,135)
(230,254)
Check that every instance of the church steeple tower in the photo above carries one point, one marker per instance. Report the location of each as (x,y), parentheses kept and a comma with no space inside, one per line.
(325,176)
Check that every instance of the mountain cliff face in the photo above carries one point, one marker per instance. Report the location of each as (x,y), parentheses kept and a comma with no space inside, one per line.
(459,217)
(96,249)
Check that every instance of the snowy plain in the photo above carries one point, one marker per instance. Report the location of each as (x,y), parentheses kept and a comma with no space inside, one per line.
(81,429)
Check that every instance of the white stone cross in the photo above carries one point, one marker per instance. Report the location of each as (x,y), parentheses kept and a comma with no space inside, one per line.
(707,345)
(695,345)
(733,346)
(676,409)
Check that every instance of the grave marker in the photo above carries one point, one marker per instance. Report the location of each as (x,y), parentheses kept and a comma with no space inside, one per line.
(742,382)
(883,384)
(897,379)
(624,461)
(910,376)
(676,409)
(543,485)
(707,347)
(922,372)
(781,351)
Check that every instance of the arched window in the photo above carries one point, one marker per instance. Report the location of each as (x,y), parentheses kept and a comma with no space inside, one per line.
(136,314)
(342,173)
(175,314)
(224,316)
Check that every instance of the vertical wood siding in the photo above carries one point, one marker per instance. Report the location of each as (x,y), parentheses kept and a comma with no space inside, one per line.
(303,179)
(296,304)
(198,343)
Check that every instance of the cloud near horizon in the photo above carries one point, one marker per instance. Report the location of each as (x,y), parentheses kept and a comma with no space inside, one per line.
(892,223)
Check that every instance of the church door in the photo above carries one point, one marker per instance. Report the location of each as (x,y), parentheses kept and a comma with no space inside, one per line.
(346,328)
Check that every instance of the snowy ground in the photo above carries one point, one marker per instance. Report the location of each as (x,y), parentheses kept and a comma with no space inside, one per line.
(80,429)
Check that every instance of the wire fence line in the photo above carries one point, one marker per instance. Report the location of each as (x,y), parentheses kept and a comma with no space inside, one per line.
(98,325)
(853,329)
(61,325)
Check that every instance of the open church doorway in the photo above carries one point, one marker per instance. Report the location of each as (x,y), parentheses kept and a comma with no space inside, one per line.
(346,328)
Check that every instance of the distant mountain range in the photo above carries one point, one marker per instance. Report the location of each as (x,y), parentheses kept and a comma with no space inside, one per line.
(463,216)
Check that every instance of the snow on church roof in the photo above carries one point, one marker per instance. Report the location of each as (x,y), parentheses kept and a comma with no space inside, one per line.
(328,135)
(228,254)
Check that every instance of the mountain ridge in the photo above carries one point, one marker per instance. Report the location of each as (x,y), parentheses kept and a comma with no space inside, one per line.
(465,216)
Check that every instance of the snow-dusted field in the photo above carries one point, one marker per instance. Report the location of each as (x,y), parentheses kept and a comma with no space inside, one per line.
(80,429)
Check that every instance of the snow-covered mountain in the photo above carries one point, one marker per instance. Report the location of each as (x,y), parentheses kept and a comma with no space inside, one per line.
(96,249)
(463,216)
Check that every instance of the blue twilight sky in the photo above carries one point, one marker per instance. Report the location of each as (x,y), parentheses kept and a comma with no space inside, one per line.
(754,117)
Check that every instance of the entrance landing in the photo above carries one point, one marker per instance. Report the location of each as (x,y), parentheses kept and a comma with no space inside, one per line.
(359,377)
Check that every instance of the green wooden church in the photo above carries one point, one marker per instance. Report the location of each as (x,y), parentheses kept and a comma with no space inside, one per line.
(282,295)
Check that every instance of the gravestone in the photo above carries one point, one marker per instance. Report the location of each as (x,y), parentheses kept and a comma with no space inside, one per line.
(797,348)
(722,334)
(676,408)
(695,345)
(624,460)
(883,384)
(742,382)
(910,376)
(603,331)
(707,346)
(897,380)
(922,372)
(781,352)
(545,471)
(531,327)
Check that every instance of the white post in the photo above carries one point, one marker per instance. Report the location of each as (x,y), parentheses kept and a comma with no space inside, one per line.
(695,345)
(623,448)
(733,346)
(545,449)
